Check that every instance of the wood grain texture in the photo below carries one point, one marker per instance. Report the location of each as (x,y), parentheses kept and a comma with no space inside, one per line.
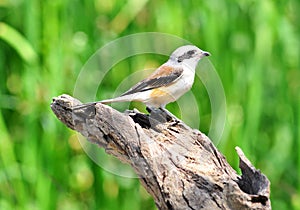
(177,165)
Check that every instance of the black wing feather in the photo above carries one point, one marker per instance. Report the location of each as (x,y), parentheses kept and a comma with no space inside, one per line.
(149,84)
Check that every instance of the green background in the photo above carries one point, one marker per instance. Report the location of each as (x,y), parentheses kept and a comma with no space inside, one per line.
(44,44)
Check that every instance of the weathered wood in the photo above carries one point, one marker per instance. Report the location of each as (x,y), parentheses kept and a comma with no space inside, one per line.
(177,165)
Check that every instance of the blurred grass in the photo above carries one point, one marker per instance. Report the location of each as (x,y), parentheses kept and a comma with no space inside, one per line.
(256,51)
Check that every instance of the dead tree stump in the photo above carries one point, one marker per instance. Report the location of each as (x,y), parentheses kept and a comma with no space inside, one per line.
(177,165)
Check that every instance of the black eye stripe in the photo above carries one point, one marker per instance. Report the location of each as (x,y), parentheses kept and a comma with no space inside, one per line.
(186,55)
(191,52)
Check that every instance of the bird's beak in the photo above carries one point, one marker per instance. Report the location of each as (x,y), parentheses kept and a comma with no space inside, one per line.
(204,53)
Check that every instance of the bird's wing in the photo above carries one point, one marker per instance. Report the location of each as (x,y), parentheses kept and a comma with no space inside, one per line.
(163,76)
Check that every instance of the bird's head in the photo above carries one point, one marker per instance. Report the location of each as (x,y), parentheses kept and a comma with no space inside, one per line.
(188,54)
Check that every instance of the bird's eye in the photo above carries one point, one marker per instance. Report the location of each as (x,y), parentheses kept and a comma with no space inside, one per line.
(187,55)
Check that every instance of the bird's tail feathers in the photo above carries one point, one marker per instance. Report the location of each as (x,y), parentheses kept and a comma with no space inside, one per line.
(81,106)
(118,99)
(106,101)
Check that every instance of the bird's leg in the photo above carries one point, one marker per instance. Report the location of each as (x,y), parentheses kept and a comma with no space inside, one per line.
(155,117)
(149,109)
(161,114)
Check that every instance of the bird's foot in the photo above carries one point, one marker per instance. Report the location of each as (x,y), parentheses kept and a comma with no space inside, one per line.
(162,115)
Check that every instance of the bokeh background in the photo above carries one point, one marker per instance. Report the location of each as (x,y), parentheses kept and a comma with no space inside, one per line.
(44,44)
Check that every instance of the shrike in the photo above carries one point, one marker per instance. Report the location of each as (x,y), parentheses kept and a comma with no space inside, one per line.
(170,81)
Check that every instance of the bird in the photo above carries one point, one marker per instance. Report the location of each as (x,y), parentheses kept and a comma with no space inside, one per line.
(166,84)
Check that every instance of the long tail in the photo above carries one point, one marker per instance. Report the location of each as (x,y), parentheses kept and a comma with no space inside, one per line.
(118,99)
(106,101)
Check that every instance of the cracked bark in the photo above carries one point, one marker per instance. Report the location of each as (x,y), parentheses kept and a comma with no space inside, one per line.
(177,165)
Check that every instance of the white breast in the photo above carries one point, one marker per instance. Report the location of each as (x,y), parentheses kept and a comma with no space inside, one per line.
(183,84)
(172,92)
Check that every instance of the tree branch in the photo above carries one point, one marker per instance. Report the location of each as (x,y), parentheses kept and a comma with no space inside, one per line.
(177,165)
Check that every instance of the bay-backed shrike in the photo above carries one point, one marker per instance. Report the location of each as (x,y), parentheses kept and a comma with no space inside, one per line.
(170,81)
